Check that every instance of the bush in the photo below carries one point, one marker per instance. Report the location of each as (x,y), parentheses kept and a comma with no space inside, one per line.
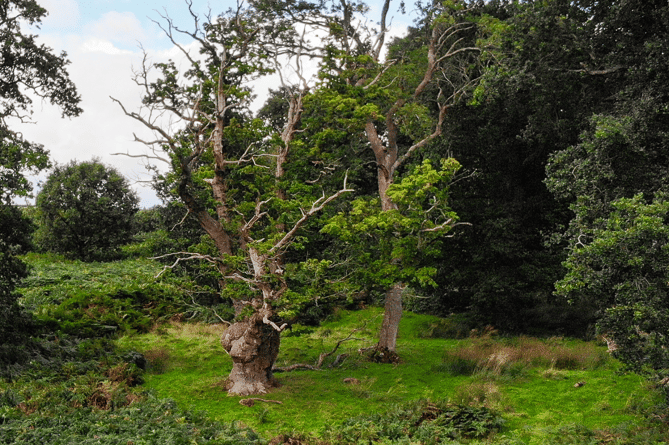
(624,271)
(97,299)
(89,315)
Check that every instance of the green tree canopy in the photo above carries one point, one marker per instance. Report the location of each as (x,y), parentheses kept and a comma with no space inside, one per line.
(86,211)
(624,272)
(27,70)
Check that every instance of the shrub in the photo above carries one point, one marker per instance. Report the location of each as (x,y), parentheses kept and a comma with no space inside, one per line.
(95,314)
(421,422)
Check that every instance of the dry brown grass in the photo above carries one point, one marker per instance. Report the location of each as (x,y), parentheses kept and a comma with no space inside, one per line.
(187,331)
(500,357)
(481,393)
(158,359)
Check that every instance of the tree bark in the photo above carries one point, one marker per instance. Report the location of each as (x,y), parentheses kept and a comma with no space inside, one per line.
(391,318)
(253,346)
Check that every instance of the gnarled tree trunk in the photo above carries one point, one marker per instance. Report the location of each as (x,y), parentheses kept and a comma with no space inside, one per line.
(253,346)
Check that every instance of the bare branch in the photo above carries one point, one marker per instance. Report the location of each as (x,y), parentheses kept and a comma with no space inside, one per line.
(389,64)
(316,207)
(189,256)
(155,157)
(437,132)
(271,323)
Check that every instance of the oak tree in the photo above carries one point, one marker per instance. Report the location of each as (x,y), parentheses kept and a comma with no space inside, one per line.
(396,105)
(228,170)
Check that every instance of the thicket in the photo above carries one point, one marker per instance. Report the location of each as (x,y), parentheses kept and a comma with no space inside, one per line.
(91,300)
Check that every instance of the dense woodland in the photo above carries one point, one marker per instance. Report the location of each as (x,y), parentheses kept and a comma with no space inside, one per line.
(503,164)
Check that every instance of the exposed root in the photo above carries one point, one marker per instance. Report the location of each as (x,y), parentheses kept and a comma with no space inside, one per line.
(383,355)
(295,367)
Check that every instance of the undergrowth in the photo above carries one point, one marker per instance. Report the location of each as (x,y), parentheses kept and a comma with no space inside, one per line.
(152,421)
(81,385)
(100,299)
(421,422)
(533,391)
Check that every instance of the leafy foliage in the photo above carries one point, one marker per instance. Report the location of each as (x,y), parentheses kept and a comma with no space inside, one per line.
(150,421)
(624,271)
(86,211)
(401,238)
(28,69)
(15,324)
(76,391)
(608,178)
(99,299)
(423,422)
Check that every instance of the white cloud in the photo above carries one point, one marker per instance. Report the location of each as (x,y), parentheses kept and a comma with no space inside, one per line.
(119,27)
(63,14)
(95,45)
(102,129)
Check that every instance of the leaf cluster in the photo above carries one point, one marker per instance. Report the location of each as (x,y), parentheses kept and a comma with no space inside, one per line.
(27,70)
(397,241)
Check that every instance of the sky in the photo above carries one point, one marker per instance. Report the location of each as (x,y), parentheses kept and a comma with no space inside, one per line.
(103,40)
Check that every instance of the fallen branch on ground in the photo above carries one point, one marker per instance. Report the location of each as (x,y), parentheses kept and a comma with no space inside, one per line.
(321,358)
(251,401)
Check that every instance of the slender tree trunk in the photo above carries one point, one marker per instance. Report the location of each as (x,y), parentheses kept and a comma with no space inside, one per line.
(391,318)
(393,305)
(386,158)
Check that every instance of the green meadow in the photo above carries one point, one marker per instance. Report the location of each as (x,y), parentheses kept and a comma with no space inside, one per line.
(85,383)
(540,387)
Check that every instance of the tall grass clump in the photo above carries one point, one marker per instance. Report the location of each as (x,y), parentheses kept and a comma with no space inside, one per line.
(511,357)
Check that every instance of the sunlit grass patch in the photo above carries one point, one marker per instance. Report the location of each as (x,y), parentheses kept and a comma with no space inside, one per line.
(530,382)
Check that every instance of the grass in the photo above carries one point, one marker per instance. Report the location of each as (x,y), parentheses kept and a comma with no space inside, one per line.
(546,390)
(529,381)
